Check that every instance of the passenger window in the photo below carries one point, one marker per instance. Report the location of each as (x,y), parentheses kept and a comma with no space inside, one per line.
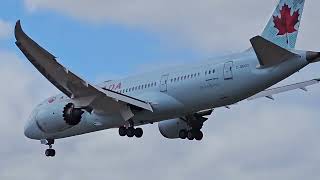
(213,71)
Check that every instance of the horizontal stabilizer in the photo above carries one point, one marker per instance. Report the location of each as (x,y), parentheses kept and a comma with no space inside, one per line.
(270,92)
(268,53)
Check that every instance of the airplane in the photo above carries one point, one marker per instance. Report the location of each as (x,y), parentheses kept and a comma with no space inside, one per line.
(178,99)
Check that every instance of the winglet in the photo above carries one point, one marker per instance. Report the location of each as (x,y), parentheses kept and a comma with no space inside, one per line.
(268,53)
(18,25)
(23,40)
(18,30)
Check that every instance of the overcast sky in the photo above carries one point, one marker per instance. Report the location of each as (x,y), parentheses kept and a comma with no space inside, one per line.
(106,39)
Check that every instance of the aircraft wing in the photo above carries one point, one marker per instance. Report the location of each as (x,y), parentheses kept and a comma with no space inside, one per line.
(68,82)
(270,92)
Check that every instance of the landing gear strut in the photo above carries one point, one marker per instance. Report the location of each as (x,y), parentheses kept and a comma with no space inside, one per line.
(49,152)
(130,131)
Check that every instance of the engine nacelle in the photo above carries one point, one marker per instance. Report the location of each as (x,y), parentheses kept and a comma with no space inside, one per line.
(58,117)
(171,128)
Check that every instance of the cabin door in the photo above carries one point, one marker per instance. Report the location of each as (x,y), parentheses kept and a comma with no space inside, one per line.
(228,70)
(164,83)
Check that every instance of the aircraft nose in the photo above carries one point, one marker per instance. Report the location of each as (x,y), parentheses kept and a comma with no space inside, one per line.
(31,131)
(27,130)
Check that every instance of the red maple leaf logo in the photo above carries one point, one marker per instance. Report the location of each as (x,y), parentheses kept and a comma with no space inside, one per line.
(286,22)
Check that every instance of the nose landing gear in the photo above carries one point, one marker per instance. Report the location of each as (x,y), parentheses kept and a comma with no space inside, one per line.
(49,152)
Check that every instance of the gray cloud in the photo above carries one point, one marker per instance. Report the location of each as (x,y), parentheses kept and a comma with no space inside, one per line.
(254,140)
(206,25)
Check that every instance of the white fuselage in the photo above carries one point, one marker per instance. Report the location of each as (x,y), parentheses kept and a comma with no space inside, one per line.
(178,92)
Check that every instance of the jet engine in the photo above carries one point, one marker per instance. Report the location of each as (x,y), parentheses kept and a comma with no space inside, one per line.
(171,128)
(58,117)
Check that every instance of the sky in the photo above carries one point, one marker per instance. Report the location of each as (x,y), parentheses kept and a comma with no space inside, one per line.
(107,39)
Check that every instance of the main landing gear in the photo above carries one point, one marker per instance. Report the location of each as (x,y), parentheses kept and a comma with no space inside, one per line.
(195,124)
(130,131)
(191,134)
(49,152)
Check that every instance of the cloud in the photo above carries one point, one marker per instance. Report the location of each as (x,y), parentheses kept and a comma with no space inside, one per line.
(277,141)
(254,140)
(5,29)
(21,90)
(206,25)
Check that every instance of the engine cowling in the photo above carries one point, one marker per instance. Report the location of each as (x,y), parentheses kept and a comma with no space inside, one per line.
(171,128)
(58,117)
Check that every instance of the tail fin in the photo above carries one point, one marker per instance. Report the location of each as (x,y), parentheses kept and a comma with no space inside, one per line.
(283,27)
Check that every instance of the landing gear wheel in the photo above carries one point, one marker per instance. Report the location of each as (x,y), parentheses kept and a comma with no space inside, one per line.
(50,153)
(122,131)
(183,134)
(130,132)
(138,132)
(198,135)
(190,135)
